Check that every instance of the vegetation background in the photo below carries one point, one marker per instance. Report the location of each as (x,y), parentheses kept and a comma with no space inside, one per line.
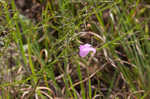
(39,49)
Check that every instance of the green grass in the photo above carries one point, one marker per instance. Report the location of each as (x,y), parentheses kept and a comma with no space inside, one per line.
(40,56)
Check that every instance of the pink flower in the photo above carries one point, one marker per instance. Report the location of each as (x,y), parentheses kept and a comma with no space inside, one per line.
(85,49)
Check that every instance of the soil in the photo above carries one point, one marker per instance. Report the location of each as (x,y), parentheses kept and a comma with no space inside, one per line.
(30,8)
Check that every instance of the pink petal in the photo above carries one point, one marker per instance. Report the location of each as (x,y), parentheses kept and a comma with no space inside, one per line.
(85,49)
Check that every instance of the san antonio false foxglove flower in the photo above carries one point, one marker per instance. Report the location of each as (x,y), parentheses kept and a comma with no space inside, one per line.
(85,49)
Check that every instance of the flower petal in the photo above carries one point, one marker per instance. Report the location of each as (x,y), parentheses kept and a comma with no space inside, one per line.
(85,49)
